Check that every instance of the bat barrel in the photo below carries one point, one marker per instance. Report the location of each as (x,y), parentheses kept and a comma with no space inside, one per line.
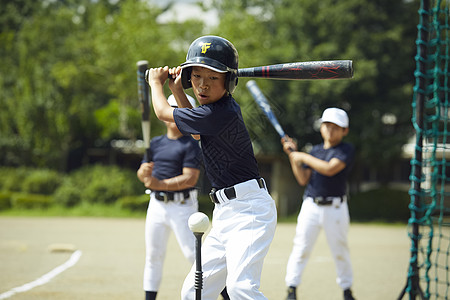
(264,105)
(144,100)
(142,64)
(334,69)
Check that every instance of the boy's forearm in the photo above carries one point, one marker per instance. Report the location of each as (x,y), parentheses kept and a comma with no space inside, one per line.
(162,110)
(144,171)
(315,163)
(157,91)
(140,175)
(181,99)
(177,183)
(301,174)
(326,168)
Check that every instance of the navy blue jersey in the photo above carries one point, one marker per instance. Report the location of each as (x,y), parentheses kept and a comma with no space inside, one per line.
(327,186)
(171,156)
(225,142)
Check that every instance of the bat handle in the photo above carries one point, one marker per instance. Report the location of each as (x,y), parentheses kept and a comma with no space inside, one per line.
(198,266)
(290,149)
(146,75)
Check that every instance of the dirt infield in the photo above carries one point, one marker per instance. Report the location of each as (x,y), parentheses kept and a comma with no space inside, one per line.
(112,260)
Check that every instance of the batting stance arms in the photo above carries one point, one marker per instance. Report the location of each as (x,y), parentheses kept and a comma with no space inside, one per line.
(176,87)
(297,159)
(156,79)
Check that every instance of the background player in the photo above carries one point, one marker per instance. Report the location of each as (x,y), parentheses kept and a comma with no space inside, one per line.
(171,173)
(244,217)
(325,171)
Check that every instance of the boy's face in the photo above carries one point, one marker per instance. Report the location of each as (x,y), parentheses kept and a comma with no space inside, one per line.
(332,133)
(208,85)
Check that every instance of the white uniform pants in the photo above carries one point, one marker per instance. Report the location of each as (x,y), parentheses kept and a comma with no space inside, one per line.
(162,217)
(234,250)
(334,219)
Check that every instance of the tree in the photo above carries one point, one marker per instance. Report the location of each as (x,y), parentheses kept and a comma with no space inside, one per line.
(12,17)
(68,79)
(69,60)
(377,35)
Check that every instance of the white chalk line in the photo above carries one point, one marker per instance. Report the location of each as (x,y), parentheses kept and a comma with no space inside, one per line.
(45,278)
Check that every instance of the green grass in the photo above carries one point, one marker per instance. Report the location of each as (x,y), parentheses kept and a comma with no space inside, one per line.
(83,210)
(113,211)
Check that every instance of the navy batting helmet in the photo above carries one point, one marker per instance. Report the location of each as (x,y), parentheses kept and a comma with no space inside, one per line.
(215,53)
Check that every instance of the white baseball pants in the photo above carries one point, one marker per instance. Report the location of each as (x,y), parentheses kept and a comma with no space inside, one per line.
(234,250)
(334,219)
(162,217)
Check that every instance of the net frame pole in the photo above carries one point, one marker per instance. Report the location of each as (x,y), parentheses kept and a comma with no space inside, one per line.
(413,280)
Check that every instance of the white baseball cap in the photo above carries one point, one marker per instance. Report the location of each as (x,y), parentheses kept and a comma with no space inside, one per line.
(336,116)
(172,102)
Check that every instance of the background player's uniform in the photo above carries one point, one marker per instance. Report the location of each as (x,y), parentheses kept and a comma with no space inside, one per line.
(244,217)
(324,206)
(169,211)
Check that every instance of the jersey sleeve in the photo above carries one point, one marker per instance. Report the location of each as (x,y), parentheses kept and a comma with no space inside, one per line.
(203,120)
(345,153)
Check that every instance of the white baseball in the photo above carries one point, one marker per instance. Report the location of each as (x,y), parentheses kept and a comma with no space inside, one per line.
(198,222)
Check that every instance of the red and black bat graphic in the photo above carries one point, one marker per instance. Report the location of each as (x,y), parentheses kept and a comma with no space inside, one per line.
(333,69)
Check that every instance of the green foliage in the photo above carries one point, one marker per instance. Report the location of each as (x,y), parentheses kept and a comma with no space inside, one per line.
(86,59)
(110,183)
(112,190)
(205,205)
(3,175)
(25,188)
(134,203)
(29,180)
(371,33)
(110,119)
(31,201)
(92,184)
(42,182)
(380,205)
(97,184)
(11,179)
(74,87)
(68,194)
(5,200)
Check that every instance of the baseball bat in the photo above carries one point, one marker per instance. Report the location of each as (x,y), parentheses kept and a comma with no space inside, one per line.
(262,102)
(333,69)
(144,101)
(198,284)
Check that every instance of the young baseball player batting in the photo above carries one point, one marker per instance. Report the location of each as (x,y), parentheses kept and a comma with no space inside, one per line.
(244,216)
(171,173)
(324,170)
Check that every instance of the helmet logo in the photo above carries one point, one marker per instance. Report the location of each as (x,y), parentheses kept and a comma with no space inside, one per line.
(205,47)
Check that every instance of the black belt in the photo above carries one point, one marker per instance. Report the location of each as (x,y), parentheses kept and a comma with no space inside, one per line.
(326,200)
(230,192)
(170,196)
